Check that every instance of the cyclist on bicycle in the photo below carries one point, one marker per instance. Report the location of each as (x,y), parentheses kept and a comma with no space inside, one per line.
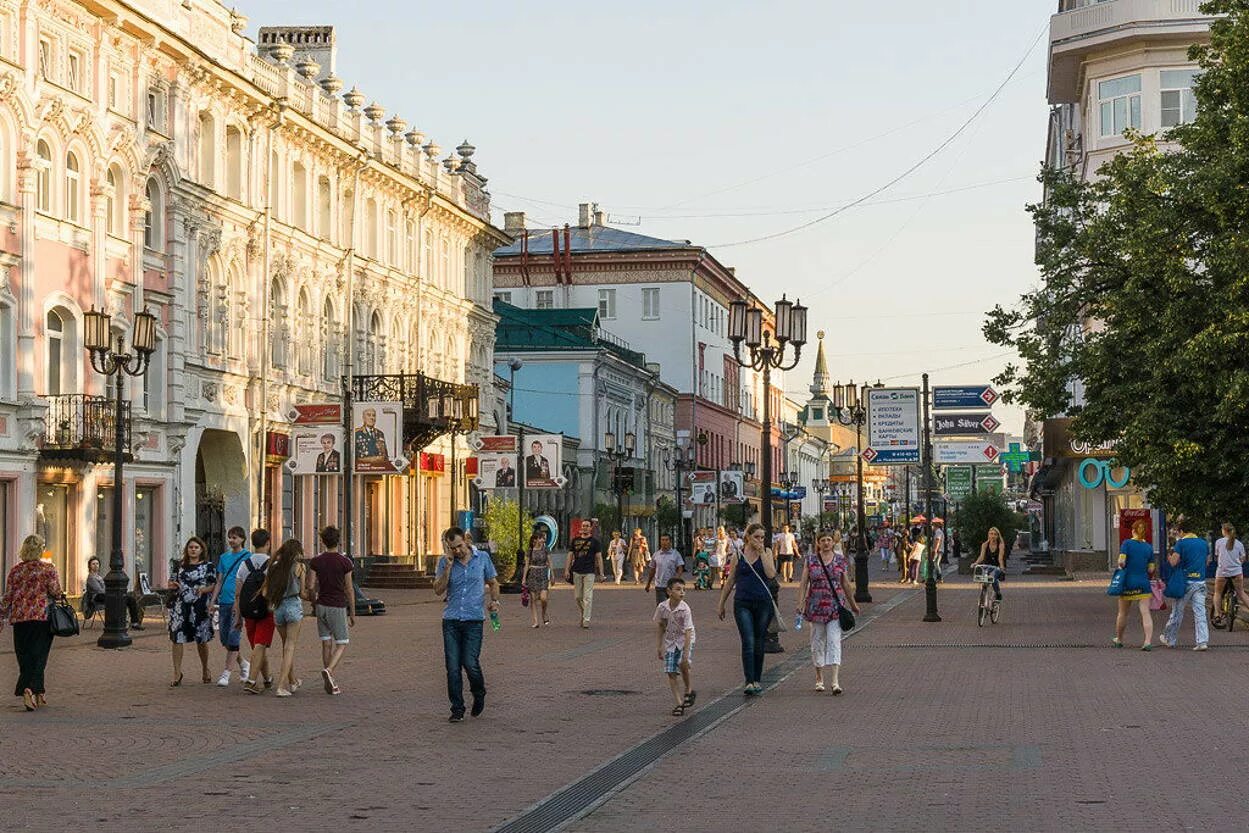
(1229,575)
(995,549)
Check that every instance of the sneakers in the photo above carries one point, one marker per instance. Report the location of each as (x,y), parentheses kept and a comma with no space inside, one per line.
(1202,647)
(456,717)
(253,687)
(224,679)
(245,669)
(479,705)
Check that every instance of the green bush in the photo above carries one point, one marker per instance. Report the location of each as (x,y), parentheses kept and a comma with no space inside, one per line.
(501,528)
(977,513)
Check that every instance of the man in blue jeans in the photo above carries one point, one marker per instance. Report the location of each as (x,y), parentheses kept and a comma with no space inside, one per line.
(463,575)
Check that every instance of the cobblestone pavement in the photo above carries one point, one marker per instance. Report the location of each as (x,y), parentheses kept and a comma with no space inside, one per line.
(1031,724)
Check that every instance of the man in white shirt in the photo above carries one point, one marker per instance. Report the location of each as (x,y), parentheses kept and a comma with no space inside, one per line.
(786,547)
(666,564)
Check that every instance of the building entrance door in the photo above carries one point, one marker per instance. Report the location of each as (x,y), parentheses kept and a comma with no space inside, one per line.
(52,524)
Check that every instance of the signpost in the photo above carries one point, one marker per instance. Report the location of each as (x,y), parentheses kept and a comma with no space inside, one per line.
(893,427)
(981,422)
(958,482)
(963,397)
(947,452)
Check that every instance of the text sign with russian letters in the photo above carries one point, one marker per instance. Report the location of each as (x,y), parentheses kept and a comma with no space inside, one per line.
(956,452)
(962,397)
(893,426)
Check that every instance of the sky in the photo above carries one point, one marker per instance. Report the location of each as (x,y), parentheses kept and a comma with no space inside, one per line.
(724,122)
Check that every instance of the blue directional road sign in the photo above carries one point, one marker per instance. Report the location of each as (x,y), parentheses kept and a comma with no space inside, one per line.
(962,397)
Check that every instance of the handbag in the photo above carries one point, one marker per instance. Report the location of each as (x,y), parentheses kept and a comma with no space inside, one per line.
(776,611)
(845,616)
(1116,582)
(524,595)
(1156,589)
(1177,585)
(62,619)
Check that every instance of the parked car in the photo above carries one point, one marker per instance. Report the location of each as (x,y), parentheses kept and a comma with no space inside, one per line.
(366,606)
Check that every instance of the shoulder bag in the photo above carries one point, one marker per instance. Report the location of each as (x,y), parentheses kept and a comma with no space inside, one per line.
(845,616)
(62,620)
(776,611)
(1116,582)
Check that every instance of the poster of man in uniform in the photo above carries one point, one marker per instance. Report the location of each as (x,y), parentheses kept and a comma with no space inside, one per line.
(544,461)
(496,462)
(376,436)
(732,487)
(316,439)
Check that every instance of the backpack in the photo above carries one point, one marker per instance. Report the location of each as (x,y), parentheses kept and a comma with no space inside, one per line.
(251,601)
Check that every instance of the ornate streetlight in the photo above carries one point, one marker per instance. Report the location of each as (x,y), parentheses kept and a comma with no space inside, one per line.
(850,403)
(680,460)
(109,359)
(767,354)
(621,483)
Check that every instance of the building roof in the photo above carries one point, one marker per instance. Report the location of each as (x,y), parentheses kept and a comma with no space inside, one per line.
(557,329)
(593,239)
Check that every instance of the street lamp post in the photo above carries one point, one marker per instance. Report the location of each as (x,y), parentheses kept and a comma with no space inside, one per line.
(766,355)
(680,459)
(619,485)
(112,361)
(821,485)
(850,403)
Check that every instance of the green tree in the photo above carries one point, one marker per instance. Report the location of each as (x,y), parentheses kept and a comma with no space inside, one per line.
(608,519)
(1144,296)
(667,517)
(501,527)
(980,511)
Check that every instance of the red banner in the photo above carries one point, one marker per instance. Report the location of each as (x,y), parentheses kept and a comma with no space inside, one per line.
(470,467)
(277,445)
(326,414)
(433,463)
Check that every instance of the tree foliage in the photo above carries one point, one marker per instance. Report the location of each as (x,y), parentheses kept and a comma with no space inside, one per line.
(977,512)
(501,527)
(1145,296)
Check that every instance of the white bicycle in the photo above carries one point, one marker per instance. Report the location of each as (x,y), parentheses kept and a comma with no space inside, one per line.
(989,607)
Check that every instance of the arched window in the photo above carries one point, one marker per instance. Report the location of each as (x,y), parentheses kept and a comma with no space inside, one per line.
(43,177)
(154,217)
(372,346)
(234,163)
(304,319)
(299,196)
(329,342)
(54,332)
(207,150)
(392,237)
(277,323)
(73,189)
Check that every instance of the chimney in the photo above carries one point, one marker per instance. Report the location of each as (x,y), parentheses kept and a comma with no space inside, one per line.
(514,223)
(583,215)
(600,217)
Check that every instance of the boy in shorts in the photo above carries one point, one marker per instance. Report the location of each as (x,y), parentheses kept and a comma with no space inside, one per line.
(334,600)
(674,643)
(259,631)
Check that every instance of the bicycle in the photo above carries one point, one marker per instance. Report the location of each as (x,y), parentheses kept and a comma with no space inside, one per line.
(988,607)
(1226,615)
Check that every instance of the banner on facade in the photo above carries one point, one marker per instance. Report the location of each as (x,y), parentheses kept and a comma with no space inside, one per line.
(544,464)
(377,437)
(893,426)
(703,488)
(496,461)
(732,487)
(316,449)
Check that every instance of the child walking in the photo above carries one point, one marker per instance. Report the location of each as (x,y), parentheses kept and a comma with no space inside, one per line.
(675,642)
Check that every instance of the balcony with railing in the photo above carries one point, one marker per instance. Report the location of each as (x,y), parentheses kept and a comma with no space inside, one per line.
(1085,26)
(82,427)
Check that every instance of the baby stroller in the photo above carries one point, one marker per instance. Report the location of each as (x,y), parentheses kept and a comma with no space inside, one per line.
(702,571)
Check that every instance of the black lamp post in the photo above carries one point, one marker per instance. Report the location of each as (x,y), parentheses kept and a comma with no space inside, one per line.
(621,483)
(821,485)
(767,354)
(850,403)
(680,460)
(112,361)
(457,412)
(514,586)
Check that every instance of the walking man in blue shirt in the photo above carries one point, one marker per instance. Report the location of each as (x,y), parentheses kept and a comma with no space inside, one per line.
(463,575)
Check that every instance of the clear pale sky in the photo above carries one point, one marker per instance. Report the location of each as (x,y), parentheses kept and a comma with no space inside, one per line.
(676,114)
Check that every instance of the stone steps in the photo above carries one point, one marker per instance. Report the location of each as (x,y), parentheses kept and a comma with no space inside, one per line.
(397,576)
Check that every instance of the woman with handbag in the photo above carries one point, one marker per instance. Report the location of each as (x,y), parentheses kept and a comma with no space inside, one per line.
(190,621)
(1136,560)
(753,605)
(823,591)
(32,584)
(538,575)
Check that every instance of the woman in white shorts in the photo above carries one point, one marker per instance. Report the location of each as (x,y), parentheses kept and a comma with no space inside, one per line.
(1230,554)
(719,555)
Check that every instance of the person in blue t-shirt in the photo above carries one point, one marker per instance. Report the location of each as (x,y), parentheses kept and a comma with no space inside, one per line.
(223,602)
(1136,559)
(1189,555)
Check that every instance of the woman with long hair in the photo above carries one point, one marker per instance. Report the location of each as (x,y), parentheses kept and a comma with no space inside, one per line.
(1229,574)
(753,607)
(919,548)
(639,554)
(31,584)
(285,589)
(993,553)
(190,621)
(537,574)
(823,591)
(719,556)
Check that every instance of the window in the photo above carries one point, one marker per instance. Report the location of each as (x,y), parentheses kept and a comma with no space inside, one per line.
(324,202)
(1120,103)
(299,196)
(154,217)
(43,177)
(370,228)
(817,414)
(73,71)
(8,352)
(304,319)
(207,150)
(110,202)
(650,303)
(1179,105)
(329,347)
(73,189)
(607,303)
(154,382)
(114,84)
(155,110)
(444,264)
(54,334)
(392,237)
(45,59)
(544,299)
(275,168)
(277,338)
(505,297)
(234,163)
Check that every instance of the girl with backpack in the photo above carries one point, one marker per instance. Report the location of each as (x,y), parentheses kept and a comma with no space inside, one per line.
(252,613)
(285,589)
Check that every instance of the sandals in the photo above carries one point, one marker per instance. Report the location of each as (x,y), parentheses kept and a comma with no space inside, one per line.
(331,687)
(690,698)
(176,682)
(677,711)
(1118,643)
(836,690)
(207,678)
(28,700)
(819,686)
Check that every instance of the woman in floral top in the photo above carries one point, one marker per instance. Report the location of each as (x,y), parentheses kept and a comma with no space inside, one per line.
(189,618)
(824,589)
(31,584)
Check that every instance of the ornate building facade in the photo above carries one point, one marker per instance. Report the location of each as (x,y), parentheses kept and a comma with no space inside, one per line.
(152,156)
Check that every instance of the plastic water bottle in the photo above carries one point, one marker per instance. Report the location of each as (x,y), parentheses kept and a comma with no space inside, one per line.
(798,621)
(494,619)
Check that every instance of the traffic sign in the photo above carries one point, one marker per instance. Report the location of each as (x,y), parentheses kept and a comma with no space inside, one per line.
(893,426)
(945,452)
(962,397)
(981,422)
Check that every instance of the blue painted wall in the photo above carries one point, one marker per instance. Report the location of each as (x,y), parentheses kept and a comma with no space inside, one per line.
(547,396)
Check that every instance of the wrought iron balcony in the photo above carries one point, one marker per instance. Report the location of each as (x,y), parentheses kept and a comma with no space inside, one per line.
(82,427)
(425,417)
